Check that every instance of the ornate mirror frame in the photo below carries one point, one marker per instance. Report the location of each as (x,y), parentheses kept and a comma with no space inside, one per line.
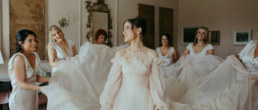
(99,6)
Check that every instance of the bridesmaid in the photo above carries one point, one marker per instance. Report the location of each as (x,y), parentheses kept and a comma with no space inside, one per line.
(200,45)
(100,36)
(135,81)
(167,53)
(23,69)
(58,47)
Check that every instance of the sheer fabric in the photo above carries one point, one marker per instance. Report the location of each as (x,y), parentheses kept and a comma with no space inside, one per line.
(197,65)
(226,87)
(78,81)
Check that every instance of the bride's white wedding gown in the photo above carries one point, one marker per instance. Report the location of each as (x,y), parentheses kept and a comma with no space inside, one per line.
(77,81)
(135,82)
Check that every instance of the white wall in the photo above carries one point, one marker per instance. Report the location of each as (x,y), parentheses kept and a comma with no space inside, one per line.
(69,9)
(5,41)
(222,15)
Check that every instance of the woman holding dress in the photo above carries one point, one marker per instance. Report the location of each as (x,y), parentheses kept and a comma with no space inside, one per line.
(196,62)
(135,81)
(23,69)
(230,86)
(200,60)
(59,48)
(167,54)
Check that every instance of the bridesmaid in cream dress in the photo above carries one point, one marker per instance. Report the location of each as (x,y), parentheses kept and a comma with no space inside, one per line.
(168,55)
(200,63)
(59,48)
(23,69)
(135,81)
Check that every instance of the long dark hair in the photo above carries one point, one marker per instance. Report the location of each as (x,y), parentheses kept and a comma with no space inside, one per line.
(168,37)
(21,35)
(206,35)
(138,22)
(100,32)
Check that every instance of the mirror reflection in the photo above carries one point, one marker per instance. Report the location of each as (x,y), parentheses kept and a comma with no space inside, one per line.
(100,36)
(99,22)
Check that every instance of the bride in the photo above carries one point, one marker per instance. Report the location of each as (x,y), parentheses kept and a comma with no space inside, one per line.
(135,81)
(196,62)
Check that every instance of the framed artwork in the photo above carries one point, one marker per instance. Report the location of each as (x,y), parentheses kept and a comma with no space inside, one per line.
(241,37)
(214,37)
(28,14)
(188,34)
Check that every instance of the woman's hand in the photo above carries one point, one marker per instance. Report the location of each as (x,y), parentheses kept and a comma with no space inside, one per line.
(253,77)
(186,52)
(210,52)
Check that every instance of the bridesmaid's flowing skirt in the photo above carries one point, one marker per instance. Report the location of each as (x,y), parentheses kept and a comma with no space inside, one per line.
(224,87)
(77,82)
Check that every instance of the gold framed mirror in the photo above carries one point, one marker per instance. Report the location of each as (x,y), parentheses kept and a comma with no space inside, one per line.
(98,18)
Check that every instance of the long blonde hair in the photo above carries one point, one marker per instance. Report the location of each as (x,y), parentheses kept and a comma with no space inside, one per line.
(51,41)
(206,35)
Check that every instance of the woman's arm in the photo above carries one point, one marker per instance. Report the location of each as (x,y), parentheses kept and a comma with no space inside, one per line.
(74,50)
(175,56)
(238,57)
(52,56)
(210,52)
(20,74)
(42,79)
(253,78)
(187,51)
